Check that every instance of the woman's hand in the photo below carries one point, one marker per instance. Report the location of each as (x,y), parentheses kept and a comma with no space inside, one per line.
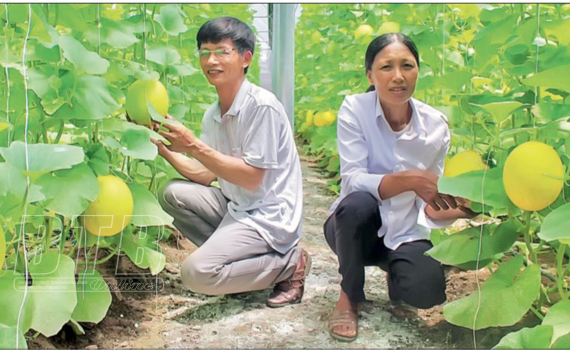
(425,186)
(465,206)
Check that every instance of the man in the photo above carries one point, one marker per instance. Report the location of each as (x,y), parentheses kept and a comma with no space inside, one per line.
(247,230)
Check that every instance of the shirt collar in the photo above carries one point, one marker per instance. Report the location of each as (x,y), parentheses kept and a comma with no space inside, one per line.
(237,103)
(413,121)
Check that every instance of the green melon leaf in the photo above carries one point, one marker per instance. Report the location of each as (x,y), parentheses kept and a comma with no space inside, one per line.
(11,338)
(137,249)
(69,192)
(463,247)
(527,338)
(555,224)
(76,53)
(482,186)
(171,17)
(93,297)
(554,78)
(147,211)
(508,290)
(559,318)
(42,158)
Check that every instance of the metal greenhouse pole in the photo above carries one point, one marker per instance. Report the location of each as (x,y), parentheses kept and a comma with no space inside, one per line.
(282,41)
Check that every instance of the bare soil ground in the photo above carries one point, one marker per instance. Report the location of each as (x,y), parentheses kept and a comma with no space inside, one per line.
(176,318)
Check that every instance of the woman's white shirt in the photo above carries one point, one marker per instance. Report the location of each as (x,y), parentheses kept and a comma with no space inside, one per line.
(369,149)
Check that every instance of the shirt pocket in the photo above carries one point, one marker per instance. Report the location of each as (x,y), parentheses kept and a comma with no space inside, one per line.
(236,152)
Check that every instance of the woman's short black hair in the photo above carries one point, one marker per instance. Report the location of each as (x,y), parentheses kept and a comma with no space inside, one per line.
(384,40)
(221,28)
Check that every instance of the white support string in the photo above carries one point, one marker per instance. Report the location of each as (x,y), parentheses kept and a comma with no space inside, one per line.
(536,66)
(7,83)
(479,249)
(144,35)
(99,25)
(23,227)
(443,51)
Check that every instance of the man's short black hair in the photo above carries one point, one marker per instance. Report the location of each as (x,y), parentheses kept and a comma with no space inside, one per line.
(221,28)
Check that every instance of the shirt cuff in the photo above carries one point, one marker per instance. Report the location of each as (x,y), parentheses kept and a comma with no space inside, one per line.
(430,223)
(371,182)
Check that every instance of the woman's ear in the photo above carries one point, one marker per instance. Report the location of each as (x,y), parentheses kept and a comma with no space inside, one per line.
(369,75)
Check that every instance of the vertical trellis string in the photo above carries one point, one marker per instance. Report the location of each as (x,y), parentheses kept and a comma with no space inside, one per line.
(536,67)
(7,83)
(442,51)
(154,162)
(144,35)
(26,154)
(99,29)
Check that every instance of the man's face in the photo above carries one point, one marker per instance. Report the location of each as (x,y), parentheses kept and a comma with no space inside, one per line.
(222,63)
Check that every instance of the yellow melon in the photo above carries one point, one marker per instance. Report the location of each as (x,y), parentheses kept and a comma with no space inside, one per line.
(463,162)
(111,212)
(145,91)
(533,176)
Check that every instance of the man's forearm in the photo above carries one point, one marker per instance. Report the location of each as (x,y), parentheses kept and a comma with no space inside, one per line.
(191,169)
(231,169)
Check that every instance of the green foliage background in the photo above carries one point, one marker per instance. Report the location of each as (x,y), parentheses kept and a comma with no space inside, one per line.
(500,72)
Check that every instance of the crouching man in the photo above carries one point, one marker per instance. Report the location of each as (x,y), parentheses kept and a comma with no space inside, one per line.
(248,229)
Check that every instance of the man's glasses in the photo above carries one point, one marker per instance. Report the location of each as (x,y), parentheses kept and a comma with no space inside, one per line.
(218,52)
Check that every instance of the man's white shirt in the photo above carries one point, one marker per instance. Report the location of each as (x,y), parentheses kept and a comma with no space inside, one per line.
(369,149)
(257,130)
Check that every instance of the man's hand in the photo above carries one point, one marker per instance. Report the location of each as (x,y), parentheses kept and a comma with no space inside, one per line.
(162,148)
(181,139)
(154,125)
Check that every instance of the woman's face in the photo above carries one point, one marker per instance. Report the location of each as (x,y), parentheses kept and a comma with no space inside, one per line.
(394,74)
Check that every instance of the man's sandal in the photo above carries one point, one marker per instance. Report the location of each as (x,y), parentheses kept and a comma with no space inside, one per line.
(347,318)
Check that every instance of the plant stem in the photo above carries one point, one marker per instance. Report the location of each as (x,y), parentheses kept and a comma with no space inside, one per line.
(527,238)
(536,312)
(101,261)
(560,270)
(543,272)
(96,133)
(78,239)
(59,132)
(64,232)
(47,239)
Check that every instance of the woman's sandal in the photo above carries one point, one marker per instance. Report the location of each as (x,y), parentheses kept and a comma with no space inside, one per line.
(347,318)
(402,309)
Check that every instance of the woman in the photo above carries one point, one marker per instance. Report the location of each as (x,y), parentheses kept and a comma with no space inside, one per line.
(392,150)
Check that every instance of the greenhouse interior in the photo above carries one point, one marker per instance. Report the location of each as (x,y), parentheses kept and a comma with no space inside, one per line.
(83,141)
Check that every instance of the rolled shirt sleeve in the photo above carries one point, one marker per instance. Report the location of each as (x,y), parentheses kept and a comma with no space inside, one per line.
(261,141)
(353,153)
(436,168)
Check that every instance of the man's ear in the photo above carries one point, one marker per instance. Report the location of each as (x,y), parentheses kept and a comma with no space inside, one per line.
(247,58)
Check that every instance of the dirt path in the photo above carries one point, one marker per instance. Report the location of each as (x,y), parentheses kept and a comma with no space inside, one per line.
(177,318)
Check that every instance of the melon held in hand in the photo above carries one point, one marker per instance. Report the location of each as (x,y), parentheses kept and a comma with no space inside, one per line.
(142,92)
